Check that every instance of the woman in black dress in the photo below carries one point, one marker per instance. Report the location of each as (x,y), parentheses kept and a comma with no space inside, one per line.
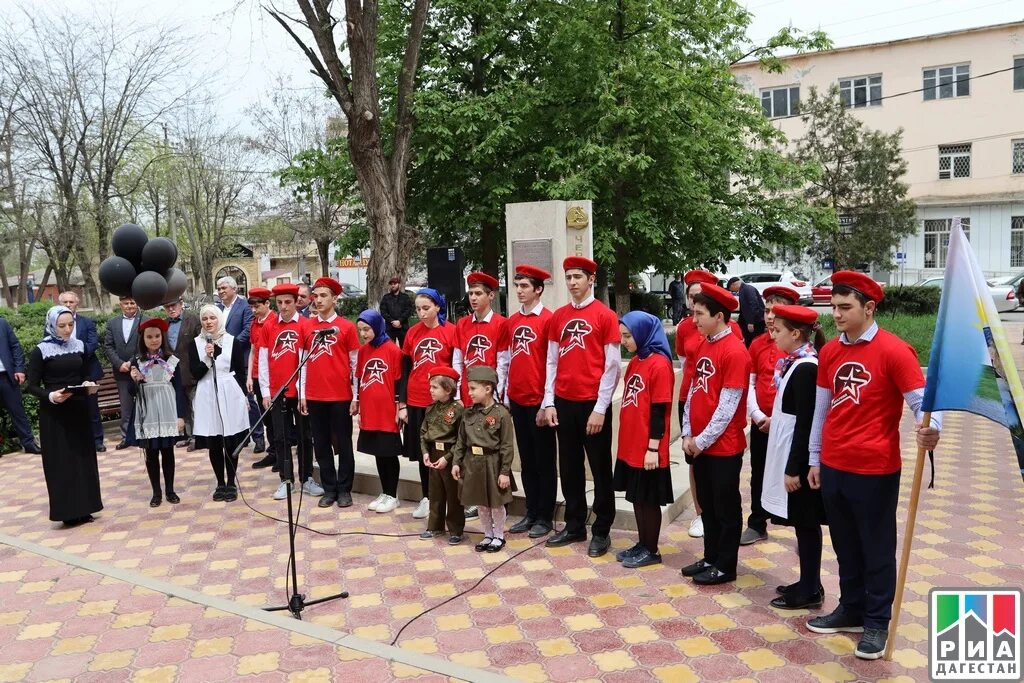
(69,453)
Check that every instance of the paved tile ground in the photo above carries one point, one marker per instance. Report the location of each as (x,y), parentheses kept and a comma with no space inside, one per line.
(545,614)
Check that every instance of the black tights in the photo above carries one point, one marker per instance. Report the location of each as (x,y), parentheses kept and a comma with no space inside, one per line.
(219,462)
(808,547)
(648,524)
(424,479)
(387,469)
(153,462)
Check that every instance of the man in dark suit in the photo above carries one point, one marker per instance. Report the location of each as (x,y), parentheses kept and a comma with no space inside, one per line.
(121,344)
(302,304)
(12,376)
(751,318)
(85,331)
(396,307)
(182,329)
(238,323)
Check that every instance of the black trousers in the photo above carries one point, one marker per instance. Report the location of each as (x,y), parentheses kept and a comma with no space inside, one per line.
(95,419)
(267,423)
(573,444)
(10,394)
(861,511)
(330,422)
(718,492)
(748,337)
(285,414)
(538,458)
(127,403)
(255,410)
(398,336)
(758,518)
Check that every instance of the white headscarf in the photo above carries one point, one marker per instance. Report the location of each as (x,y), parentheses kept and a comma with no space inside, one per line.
(219,332)
(55,345)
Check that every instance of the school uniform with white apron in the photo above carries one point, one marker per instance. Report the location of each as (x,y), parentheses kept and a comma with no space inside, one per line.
(223,412)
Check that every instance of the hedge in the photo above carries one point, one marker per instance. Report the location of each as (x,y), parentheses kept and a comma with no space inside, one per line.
(910,300)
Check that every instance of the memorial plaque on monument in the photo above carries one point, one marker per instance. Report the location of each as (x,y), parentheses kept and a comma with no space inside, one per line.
(535,252)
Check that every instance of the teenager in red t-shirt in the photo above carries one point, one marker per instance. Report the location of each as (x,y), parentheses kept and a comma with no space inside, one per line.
(280,353)
(864,377)
(259,303)
(583,367)
(382,381)
(528,336)
(326,391)
(642,467)
(429,343)
(713,421)
(481,337)
(764,355)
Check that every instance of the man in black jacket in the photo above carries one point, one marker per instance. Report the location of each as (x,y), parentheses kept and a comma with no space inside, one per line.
(85,331)
(12,376)
(751,320)
(396,309)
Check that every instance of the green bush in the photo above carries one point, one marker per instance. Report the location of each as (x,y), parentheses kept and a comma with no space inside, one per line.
(351,307)
(647,301)
(910,300)
(916,330)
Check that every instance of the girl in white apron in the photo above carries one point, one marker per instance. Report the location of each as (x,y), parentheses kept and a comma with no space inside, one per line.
(786,495)
(220,407)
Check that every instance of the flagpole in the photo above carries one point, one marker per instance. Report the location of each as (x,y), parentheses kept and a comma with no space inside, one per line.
(908,540)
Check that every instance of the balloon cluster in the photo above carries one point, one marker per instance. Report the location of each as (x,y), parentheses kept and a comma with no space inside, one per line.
(142,268)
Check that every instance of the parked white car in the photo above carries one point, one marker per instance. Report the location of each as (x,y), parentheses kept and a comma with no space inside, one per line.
(763,279)
(1003,295)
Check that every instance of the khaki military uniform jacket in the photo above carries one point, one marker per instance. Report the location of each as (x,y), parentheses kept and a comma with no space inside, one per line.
(440,430)
(484,451)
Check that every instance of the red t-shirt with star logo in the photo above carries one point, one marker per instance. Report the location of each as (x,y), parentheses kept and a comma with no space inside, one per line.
(723,364)
(480,343)
(582,334)
(328,372)
(764,354)
(648,380)
(428,349)
(688,339)
(528,343)
(867,380)
(283,341)
(379,370)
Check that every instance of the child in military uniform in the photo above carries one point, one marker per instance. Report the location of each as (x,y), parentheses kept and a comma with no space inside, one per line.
(483,457)
(438,433)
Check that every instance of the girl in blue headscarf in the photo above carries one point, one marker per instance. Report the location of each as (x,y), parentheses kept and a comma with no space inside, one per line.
(381,373)
(641,467)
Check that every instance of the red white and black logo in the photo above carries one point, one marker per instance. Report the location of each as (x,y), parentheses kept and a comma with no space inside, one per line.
(477,348)
(322,346)
(703,371)
(426,351)
(373,372)
(572,335)
(285,343)
(634,385)
(847,383)
(521,340)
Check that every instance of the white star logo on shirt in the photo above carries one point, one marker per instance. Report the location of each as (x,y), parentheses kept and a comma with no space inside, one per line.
(572,335)
(704,370)
(634,385)
(373,372)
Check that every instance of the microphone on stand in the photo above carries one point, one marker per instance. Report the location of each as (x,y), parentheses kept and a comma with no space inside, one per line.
(324,331)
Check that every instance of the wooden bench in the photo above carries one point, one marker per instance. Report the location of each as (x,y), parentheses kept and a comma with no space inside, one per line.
(110,402)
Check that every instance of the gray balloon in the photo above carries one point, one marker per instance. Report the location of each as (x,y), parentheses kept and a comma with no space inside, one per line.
(177,283)
(149,289)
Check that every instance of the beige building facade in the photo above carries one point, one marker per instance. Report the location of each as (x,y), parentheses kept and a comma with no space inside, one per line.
(959,98)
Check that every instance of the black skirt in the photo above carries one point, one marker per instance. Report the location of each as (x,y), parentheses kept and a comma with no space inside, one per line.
(159,442)
(805,507)
(379,444)
(230,442)
(411,434)
(651,487)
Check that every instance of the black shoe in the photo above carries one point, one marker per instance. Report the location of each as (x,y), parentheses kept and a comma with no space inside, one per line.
(344,500)
(428,534)
(218,493)
(101,449)
(121,446)
(155,501)
(455,539)
(327,500)
(624,555)
(260,446)
(484,544)
(472,512)
(751,536)
(523,525)
(565,537)
(643,558)
(599,546)
(872,643)
(33,449)
(172,497)
(275,468)
(695,568)
(540,529)
(782,590)
(230,494)
(713,577)
(793,600)
(265,461)
(837,622)
(496,545)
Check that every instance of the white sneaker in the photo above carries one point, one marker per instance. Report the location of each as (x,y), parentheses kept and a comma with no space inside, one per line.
(282,492)
(697,527)
(311,488)
(375,502)
(387,505)
(422,510)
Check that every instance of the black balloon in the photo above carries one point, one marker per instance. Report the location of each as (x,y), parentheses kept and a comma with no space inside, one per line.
(159,254)
(177,283)
(117,275)
(128,241)
(149,289)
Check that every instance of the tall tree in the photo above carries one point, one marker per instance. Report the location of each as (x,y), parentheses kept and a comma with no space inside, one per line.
(861,185)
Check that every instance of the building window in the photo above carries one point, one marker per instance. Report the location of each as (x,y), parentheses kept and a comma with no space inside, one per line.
(936,239)
(862,91)
(1017,165)
(944,82)
(1017,241)
(954,161)
(778,102)
(1018,73)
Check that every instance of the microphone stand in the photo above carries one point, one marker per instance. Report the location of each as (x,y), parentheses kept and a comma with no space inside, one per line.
(296,601)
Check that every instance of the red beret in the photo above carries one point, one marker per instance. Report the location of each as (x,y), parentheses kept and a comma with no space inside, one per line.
(259,293)
(445,371)
(330,283)
(533,272)
(859,281)
(478,278)
(701,276)
(154,322)
(724,297)
(286,288)
(803,315)
(783,291)
(579,263)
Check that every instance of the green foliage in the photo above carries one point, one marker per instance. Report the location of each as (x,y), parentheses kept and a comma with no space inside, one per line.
(916,330)
(351,307)
(646,301)
(910,300)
